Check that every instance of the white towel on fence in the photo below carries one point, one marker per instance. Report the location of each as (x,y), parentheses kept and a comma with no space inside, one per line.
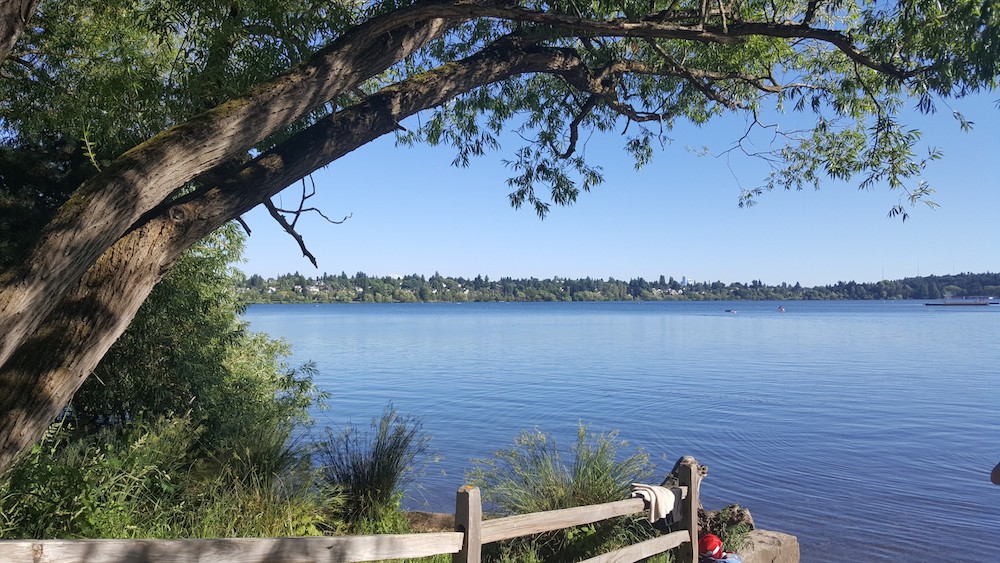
(659,499)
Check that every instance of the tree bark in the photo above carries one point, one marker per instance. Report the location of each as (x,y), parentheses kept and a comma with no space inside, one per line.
(48,368)
(106,206)
(40,379)
(14,15)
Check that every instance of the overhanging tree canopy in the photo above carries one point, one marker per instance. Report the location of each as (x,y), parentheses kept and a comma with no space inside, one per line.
(132,129)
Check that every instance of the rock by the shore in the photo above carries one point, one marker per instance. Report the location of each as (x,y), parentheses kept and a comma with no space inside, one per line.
(766,546)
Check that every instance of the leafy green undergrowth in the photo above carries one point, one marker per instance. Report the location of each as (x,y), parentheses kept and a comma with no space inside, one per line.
(152,479)
(143,482)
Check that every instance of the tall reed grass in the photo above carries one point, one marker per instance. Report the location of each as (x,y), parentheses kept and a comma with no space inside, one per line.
(374,467)
(535,475)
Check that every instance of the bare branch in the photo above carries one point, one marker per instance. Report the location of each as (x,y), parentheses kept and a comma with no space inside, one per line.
(290,230)
(243,224)
(277,213)
(303,209)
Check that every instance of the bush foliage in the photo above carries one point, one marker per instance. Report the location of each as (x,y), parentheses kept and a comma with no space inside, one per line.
(184,430)
(534,476)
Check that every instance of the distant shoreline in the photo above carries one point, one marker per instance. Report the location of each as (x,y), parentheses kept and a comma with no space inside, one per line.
(360,288)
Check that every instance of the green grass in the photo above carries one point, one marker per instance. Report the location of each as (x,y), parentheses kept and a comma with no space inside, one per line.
(142,482)
(534,476)
(373,469)
(734,536)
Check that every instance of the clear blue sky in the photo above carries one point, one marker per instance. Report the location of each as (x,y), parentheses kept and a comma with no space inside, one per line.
(415,213)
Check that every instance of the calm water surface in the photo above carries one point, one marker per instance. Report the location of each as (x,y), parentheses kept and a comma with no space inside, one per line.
(867,429)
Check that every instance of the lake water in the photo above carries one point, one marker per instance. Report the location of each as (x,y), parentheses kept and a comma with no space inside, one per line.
(867,429)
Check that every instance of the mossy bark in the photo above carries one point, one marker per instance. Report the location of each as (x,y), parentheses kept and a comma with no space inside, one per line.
(47,368)
(105,207)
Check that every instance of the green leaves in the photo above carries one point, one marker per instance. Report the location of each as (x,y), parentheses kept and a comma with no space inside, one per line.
(536,167)
(187,352)
(117,72)
(124,71)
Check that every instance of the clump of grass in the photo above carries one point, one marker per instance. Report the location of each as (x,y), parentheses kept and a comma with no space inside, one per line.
(374,468)
(731,529)
(257,506)
(533,476)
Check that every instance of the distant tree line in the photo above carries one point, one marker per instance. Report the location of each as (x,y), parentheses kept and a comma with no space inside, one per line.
(361,288)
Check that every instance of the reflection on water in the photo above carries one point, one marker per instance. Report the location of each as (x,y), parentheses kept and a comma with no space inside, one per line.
(867,429)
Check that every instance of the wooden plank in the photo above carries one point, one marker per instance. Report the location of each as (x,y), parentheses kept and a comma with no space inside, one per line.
(689,476)
(538,522)
(511,527)
(332,549)
(642,550)
(469,522)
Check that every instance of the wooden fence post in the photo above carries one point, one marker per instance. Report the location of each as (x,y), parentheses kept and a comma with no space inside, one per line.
(689,475)
(469,521)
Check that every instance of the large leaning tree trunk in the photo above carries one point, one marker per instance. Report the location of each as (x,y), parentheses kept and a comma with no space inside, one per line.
(56,327)
(50,366)
(123,229)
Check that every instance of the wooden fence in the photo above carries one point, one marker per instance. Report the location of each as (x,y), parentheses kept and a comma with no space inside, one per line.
(465,543)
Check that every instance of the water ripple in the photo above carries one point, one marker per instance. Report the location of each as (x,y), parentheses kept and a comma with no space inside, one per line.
(865,429)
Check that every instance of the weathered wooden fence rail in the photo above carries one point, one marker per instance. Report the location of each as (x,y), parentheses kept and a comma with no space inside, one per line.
(465,543)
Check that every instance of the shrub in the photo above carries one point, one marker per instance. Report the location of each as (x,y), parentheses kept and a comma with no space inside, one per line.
(184,429)
(141,481)
(532,477)
(731,527)
(373,469)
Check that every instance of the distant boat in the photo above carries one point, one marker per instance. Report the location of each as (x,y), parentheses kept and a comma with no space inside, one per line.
(781,308)
(730,310)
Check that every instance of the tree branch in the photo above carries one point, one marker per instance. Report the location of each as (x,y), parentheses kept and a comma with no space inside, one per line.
(277,212)
(107,205)
(290,229)
(14,16)
(343,132)
(811,10)
(574,126)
